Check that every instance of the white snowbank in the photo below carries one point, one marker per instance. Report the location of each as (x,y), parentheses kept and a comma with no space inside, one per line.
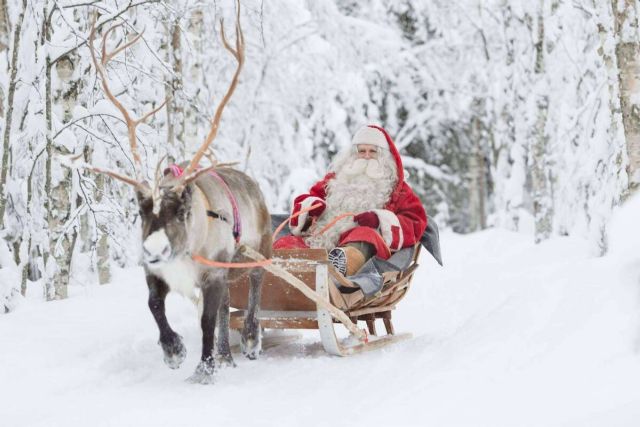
(624,231)
(507,334)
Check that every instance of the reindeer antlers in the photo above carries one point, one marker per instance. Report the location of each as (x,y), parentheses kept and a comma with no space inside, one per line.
(131,123)
(238,54)
(190,172)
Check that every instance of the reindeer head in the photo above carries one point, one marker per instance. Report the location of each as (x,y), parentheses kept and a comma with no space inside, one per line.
(165,224)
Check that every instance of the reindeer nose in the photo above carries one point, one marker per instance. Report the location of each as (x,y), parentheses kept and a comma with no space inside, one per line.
(156,248)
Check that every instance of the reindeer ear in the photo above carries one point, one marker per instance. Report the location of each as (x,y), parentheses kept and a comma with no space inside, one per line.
(186,194)
(145,199)
(184,206)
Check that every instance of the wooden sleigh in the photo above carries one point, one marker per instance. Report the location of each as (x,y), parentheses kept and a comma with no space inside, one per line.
(302,290)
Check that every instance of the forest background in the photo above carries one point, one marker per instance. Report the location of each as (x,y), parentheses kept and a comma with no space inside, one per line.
(514,114)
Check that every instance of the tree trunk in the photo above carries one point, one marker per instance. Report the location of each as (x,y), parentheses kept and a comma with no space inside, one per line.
(542,199)
(477,167)
(87,228)
(4,28)
(27,264)
(58,198)
(4,44)
(6,143)
(194,72)
(628,60)
(102,250)
(175,106)
(25,271)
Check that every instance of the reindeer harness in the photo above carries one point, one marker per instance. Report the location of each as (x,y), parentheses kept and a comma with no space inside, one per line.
(237,224)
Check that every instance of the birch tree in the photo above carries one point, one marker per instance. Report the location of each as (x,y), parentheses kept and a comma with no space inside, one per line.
(477,172)
(57,256)
(4,44)
(541,184)
(625,15)
(175,103)
(102,248)
(4,26)
(6,141)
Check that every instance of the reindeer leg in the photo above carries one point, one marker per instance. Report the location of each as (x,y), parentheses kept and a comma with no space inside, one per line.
(172,346)
(251,342)
(212,294)
(223,356)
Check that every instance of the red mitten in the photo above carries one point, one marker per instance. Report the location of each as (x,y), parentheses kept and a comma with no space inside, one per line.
(367,219)
(298,205)
(317,211)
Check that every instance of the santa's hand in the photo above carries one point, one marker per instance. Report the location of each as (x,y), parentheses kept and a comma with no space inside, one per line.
(367,219)
(317,211)
(299,214)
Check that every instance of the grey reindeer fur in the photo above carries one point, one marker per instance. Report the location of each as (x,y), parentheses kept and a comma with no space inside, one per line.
(183,217)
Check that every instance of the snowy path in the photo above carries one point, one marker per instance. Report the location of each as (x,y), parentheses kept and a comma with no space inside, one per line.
(508,334)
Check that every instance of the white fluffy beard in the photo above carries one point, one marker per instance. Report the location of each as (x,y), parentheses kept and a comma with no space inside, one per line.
(359,185)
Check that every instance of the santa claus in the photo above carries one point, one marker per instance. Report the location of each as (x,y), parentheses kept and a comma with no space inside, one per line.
(365,179)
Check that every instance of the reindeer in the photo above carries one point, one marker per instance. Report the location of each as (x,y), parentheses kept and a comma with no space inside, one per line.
(209,212)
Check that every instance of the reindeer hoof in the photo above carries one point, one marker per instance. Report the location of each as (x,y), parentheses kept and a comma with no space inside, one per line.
(174,351)
(251,339)
(251,347)
(225,361)
(203,373)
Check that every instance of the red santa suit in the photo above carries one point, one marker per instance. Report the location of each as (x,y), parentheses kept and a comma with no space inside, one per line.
(401,218)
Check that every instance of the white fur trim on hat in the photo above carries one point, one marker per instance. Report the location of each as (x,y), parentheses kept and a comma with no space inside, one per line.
(371,136)
(302,219)
(390,225)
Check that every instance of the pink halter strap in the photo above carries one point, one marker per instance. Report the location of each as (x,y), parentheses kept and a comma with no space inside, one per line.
(237,225)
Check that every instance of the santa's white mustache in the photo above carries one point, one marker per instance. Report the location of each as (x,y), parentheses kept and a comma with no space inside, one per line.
(371,167)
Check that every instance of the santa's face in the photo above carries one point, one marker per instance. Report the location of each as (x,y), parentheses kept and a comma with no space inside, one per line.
(367,151)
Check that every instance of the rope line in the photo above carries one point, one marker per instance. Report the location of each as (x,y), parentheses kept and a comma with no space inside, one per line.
(212,263)
(219,264)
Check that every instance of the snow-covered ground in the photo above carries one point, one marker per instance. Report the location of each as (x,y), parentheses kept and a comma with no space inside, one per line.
(507,334)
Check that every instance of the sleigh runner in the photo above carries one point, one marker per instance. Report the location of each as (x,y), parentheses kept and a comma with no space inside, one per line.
(302,290)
